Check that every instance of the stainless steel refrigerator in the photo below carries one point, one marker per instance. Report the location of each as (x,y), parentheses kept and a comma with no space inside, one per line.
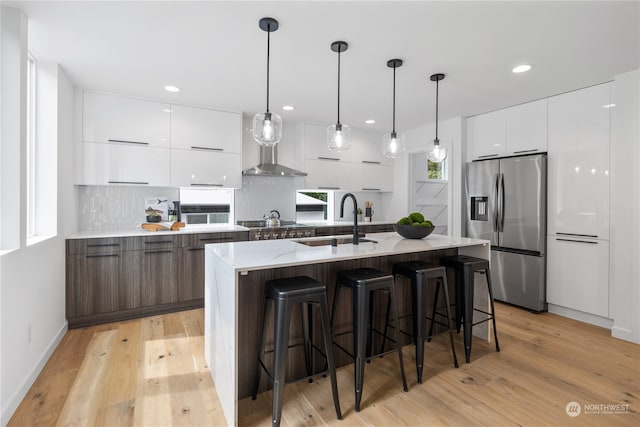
(507,204)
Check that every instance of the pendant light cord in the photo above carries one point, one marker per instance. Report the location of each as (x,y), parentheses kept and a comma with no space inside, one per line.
(268,54)
(338,86)
(437,141)
(394,99)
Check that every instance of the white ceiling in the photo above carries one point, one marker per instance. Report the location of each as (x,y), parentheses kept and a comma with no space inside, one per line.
(215,52)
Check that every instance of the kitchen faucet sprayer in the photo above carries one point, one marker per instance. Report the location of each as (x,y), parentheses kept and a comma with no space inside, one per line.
(355,215)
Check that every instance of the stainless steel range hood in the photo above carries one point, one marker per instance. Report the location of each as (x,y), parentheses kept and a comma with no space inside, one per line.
(269,166)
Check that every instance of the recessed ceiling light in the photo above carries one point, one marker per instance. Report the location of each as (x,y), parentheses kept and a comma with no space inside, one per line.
(521,68)
(609,106)
(167,110)
(370,121)
(171,88)
(288,108)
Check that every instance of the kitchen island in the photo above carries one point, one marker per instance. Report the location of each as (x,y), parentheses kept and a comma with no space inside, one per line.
(234,294)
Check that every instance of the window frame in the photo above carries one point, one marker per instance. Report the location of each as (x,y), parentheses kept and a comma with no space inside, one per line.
(31,148)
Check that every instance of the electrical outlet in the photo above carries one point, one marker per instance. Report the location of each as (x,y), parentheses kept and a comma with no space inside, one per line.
(29,334)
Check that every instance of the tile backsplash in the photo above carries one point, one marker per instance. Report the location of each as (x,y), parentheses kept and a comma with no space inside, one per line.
(115,208)
(260,194)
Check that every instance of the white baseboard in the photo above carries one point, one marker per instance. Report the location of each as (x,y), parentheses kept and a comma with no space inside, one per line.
(624,334)
(581,316)
(19,395)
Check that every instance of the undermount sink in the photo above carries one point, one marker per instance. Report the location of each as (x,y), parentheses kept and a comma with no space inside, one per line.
(328,242)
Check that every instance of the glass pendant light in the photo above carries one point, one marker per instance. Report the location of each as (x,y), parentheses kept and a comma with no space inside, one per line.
(392,143)
(267,126)
(436,153)
(339,135)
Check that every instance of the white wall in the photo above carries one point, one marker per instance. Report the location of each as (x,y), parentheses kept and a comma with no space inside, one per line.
(33,277)
(625,209)
(450,133)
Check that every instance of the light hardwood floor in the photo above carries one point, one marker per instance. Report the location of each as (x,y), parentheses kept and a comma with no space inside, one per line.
(152,372)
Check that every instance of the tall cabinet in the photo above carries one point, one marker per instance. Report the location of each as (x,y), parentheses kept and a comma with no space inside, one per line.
(578,200)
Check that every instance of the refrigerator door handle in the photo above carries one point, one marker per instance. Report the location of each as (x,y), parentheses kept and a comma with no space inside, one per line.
(495,205)
(501,201)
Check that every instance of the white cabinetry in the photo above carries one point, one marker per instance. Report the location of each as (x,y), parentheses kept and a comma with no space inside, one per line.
(578,168)
(205,129)
(315,144)
(578,274)
(191,168)
(371,177)
(510,132)
(327,174)
(109,118)
(526,128)
(139,142)
(361,168)
(106,164)
(488,133)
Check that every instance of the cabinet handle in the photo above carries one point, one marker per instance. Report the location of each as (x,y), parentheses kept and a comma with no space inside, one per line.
(329,158)
(370,162)
(101,255)
(487,155)
(193,147)
(128,142)
(158,242)
(159,251)
(101,245)
(328,188)
(525,151)
(370,189)
(576,241)
(211,239)
(593,236)
(195,249)
(128,182)
(197,184)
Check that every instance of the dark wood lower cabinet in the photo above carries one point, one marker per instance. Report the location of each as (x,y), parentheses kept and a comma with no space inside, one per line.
(116,279)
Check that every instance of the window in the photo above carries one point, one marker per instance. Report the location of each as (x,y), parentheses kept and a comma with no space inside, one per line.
(31,147)
(437,170)
(312,206)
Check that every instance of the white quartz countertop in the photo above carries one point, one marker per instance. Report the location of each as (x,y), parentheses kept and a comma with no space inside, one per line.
(260,255)
(136,233)
(344,223)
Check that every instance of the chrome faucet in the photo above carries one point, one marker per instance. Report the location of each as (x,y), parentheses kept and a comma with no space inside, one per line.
(355,215)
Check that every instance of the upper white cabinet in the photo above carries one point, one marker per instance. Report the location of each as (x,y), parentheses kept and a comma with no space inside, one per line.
(510,132)
(118,164)
(366,148)
(116,119)
(327,175)
(526,128)
(314,139)
(191,168)
(371,177)
(578,166)
(488,133)
(205,129)
(361,167)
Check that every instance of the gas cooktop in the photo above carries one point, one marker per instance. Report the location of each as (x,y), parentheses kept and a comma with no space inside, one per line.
(286,230)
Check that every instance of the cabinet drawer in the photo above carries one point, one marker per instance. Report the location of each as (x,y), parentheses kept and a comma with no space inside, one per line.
(196,241)
(95,246)
(151,242)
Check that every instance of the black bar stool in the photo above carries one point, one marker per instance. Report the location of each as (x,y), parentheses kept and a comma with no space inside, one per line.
(284,293)
(363,282)
(465,268)
(420,272)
